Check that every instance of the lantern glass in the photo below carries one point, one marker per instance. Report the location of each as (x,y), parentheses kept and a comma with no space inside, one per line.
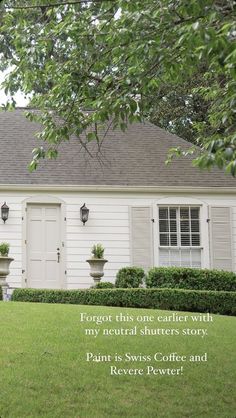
(84,212)
(4,212)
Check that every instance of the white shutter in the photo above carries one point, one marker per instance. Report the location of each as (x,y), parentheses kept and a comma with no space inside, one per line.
(141,237)
(221,238)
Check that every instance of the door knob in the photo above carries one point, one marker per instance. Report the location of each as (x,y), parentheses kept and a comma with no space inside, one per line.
(58,255)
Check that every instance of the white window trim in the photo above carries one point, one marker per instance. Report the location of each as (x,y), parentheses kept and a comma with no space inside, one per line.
(204,226)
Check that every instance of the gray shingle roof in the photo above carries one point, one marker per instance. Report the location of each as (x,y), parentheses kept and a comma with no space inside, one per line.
(132,158)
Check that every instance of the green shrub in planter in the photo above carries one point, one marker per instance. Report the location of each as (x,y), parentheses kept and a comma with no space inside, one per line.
(97,251)
(4,249)
(190,278)
(104,285)
(129,277)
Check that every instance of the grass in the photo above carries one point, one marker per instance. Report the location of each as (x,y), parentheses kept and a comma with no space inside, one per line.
(44,372)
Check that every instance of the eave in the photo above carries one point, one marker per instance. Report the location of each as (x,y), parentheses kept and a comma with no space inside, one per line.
(116,188)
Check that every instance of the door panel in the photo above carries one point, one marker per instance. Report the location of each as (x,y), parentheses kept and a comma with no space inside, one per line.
(43,240)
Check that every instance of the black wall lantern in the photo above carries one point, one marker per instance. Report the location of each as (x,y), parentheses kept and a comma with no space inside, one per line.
(4,212)
(84,213)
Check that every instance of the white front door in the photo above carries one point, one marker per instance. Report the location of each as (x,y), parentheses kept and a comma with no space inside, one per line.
(43,243)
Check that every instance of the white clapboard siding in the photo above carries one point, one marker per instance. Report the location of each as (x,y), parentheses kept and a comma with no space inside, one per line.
(233,212)
(108,224)
(99,215)
(98,223)
(141,236)
(221,237)
(90,229)
(95,238)
(87,245)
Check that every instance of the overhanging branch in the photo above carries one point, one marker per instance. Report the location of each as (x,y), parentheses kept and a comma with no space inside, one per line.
(38,6)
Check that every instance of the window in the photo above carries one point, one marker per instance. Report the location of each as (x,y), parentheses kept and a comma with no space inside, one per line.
(179,236)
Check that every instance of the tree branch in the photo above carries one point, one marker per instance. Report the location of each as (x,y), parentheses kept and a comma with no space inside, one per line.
(38,6)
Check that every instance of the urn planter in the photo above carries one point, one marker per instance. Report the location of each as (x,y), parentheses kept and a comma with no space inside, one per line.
(96,268)
(4,271)
(4,268)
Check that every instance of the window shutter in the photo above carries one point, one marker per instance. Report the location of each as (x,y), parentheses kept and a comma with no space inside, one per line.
(141,237)
(221,238)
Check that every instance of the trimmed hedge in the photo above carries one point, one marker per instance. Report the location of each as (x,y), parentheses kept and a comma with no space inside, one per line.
(129,277)
(190,278)
(174,299)
(103,285)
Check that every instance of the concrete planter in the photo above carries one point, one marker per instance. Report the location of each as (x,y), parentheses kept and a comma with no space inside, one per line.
(96,268)
(4,271)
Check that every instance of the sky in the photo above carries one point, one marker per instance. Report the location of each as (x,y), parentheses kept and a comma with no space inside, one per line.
(19,97)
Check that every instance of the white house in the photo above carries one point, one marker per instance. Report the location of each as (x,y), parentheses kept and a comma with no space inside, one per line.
(143,212)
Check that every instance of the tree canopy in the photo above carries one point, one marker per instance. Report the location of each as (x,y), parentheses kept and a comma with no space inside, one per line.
(171,61)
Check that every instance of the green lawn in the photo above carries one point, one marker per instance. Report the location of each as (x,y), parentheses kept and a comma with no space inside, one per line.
(44,372)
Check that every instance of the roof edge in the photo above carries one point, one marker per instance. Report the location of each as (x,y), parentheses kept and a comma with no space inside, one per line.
(117,188)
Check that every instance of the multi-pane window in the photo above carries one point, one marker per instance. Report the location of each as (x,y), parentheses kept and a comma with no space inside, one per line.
(179,230)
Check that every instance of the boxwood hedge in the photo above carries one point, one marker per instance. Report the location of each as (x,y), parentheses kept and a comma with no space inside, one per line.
(103,285)
(129,277)
(190,278)
(174,299)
